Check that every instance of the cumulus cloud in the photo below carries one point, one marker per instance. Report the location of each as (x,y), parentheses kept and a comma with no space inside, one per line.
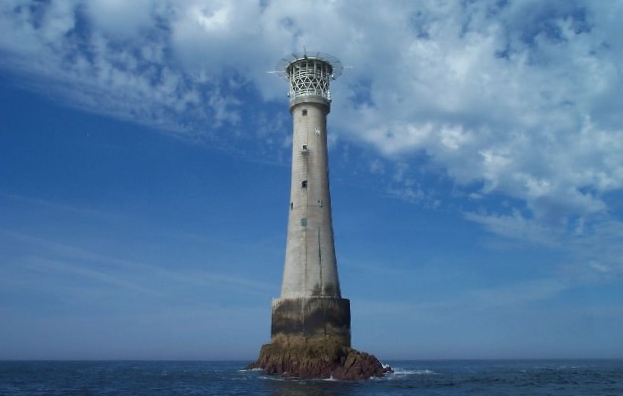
(512,99)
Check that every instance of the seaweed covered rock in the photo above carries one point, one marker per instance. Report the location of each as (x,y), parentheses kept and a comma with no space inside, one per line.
(317,358)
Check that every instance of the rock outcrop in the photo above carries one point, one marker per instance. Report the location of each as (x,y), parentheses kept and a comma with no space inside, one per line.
(317,358)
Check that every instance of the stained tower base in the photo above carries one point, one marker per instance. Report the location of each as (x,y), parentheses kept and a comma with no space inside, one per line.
(311,317)
(310,338)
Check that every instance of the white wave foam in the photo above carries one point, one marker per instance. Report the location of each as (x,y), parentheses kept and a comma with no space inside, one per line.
(400,371)
(253,369)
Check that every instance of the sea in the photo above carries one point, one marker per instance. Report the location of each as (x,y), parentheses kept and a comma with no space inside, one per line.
(443,377)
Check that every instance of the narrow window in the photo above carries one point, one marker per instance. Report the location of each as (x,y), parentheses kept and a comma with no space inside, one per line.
(304,147)
(304,184)
(320,203)
(304,112)
(304,222)
(291,205)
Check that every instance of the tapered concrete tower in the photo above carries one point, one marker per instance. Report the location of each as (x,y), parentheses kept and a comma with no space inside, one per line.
(310,305)
(310,331)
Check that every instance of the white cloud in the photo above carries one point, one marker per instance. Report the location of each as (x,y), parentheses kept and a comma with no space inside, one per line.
(519,99)
(593,247)
(124,19)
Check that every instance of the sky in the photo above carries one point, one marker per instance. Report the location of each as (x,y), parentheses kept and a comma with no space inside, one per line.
(476,175)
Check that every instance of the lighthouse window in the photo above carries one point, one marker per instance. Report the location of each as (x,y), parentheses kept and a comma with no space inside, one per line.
(291,205)
(304,112)
(304,184)
(320,203)
(304,221)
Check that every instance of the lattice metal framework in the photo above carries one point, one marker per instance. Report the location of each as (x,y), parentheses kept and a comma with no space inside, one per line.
(310,75)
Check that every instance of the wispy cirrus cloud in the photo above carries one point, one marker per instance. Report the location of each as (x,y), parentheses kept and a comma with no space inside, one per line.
(76,269)
(507,101)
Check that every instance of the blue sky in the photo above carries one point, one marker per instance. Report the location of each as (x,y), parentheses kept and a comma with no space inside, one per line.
(476,174)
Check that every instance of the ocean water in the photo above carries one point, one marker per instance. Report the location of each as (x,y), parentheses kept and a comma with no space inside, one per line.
(542,377)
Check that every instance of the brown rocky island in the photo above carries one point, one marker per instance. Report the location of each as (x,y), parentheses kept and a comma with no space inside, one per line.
(311,339)
(318,358)
(310,331)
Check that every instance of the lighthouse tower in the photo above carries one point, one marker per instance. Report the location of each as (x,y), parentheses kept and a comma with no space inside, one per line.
(310,331)
(310,305)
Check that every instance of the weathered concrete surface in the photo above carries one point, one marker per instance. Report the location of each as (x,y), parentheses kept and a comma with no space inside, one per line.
(310,268)
(317,358)
(311,317)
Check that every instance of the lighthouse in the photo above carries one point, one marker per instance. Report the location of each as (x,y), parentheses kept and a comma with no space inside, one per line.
(310,327)
(310,305)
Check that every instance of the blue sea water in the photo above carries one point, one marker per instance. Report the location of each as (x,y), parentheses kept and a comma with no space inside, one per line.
(543,377)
